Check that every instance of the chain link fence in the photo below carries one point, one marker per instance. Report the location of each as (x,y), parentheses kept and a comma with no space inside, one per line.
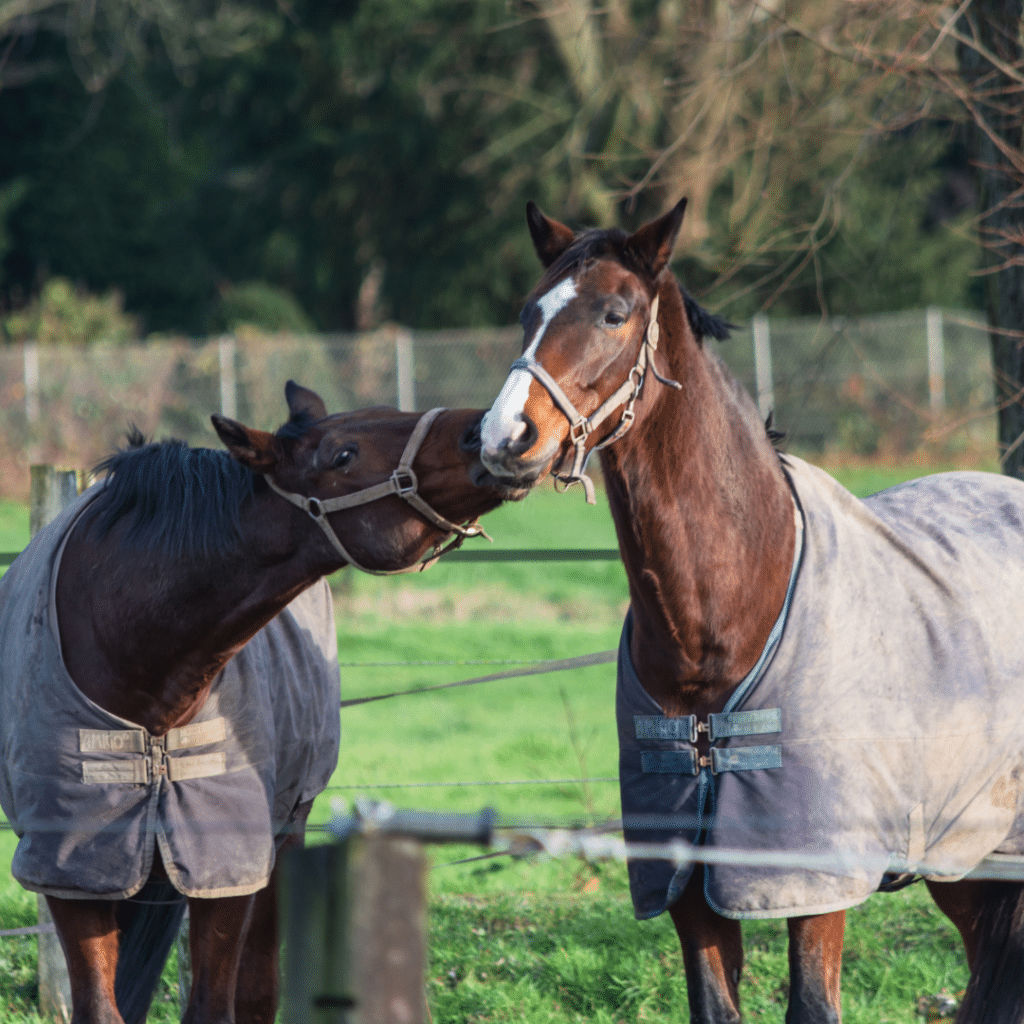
(860,385)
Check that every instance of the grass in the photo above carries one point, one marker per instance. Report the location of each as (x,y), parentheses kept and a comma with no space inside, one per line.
(535,940)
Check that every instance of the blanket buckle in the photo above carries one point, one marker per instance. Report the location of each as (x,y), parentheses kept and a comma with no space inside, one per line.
(157,758)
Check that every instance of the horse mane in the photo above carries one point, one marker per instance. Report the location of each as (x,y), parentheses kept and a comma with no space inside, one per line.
(186,501)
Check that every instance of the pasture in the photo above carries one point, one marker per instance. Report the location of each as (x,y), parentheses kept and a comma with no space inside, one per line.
(533,940)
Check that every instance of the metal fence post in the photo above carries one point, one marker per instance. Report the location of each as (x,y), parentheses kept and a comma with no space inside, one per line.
(763,365)
(51,491)
(936,360)
(405,370)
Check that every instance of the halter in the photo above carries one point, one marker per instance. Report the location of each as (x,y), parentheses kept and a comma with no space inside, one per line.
(580,427)
(402,482)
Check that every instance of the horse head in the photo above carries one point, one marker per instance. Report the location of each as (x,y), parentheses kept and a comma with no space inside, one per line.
(417,469)
(591,332)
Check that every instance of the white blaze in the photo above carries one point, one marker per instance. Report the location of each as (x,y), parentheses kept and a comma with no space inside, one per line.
(504,420)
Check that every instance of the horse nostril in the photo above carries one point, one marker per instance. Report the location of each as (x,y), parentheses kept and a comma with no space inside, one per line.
(470,440)
(527,439)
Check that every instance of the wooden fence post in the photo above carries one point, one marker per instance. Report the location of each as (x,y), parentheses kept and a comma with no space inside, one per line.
(52,490)
(353,923)
(354,916)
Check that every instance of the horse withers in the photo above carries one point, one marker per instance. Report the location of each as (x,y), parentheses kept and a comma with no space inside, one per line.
(834,688)
(169,694)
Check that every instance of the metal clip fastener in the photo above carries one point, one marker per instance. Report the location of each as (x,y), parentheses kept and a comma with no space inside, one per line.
(583,428)
(157,758)
(408,474)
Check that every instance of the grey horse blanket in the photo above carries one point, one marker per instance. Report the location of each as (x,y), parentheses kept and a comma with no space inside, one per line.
(84,790)
(889,725)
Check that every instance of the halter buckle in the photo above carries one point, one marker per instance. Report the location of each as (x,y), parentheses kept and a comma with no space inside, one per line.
(403,489)
(578,432)
(314,509)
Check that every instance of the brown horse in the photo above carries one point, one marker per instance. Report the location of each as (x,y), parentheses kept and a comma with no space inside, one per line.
(723,540)
(188,613)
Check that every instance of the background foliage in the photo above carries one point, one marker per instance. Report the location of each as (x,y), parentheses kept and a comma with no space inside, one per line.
(371,159)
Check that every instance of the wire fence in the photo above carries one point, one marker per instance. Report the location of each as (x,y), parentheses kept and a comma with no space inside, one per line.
(861,384)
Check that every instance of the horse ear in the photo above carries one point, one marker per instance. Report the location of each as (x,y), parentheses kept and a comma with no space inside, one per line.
(257,449)
(550,238)
(654,242)
(303,401)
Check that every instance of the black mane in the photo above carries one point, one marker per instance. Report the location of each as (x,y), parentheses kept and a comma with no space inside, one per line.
(186,501)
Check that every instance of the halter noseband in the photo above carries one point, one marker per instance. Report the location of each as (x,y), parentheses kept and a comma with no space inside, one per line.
(581,427)
(402,482)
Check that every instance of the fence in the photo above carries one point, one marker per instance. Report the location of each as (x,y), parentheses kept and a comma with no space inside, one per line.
(853,383)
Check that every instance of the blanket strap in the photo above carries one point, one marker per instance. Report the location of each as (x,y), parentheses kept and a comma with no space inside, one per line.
(155,763)
(721,726)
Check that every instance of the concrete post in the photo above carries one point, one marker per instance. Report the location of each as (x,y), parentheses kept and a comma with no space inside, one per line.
(228,382)
(405,371)
(763,365)
(936,361)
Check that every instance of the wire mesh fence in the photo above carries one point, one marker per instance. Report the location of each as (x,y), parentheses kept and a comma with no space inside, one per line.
(863,384)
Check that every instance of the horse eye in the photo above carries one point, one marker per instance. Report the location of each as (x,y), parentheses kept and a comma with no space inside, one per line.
(614,319)
(345,456)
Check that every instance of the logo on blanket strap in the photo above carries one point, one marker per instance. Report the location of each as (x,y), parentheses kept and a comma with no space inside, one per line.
(718,759)
(154,764)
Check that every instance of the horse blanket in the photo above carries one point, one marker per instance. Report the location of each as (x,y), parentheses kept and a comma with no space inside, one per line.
(890,709)
(84,789)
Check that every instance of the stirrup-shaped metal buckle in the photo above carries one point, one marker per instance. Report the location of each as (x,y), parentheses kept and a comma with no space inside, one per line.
(402,489)
(314,509)
(584,430)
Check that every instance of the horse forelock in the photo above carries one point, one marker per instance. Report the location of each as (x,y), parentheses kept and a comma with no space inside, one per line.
(184,501)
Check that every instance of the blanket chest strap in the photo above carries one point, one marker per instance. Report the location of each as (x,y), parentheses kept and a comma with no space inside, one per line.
(155,764)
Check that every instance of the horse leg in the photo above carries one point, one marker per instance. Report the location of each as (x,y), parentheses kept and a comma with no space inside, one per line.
(87,930)
(815,963)
(217,932)
(990,919)
(712,955)
(259,974)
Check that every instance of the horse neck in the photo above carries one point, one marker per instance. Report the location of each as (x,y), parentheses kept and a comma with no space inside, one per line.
(151,653)
(705,523)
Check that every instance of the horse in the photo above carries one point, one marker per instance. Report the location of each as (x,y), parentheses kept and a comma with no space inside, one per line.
(177,606)
(830,686)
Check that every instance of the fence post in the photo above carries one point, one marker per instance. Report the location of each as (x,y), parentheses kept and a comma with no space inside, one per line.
(354,915)
(228,383)
(30,359)
(763,365)
(405,370)
(52,490)
(353,924)
(936,360)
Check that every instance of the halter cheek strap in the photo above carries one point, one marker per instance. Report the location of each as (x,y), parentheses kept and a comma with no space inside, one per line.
(581,427)
(404,484)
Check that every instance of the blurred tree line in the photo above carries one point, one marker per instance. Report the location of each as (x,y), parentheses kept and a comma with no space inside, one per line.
(335,164)
(300,164)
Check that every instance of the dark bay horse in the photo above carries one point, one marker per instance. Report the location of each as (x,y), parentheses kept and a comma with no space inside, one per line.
(834,677)
(172,642)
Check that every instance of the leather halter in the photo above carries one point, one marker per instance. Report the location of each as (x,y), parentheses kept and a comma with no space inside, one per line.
(581,427)
(404,484)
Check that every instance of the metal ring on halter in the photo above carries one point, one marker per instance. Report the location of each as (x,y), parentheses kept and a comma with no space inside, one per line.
(394,485)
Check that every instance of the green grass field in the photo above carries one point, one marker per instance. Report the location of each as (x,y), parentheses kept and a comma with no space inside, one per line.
(534,940)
